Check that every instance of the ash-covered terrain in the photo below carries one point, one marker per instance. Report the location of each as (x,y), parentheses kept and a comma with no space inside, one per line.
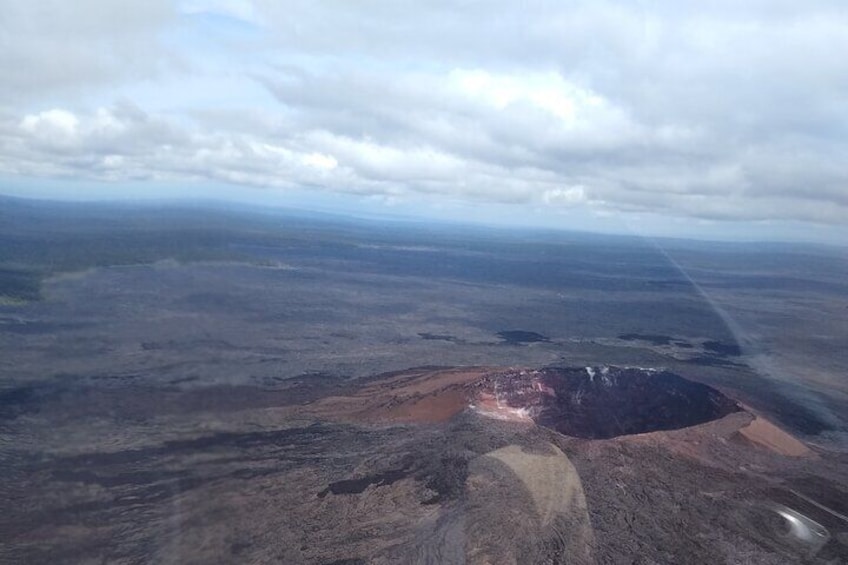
(194,385)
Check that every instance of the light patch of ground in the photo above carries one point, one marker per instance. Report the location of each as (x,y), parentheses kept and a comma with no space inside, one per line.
(764,433)
(491,406)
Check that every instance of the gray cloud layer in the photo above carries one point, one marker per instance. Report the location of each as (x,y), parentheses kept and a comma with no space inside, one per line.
(728,111)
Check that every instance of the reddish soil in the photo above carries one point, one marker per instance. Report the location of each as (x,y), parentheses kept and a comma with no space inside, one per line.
(763,433)
(419,395)
(547,396)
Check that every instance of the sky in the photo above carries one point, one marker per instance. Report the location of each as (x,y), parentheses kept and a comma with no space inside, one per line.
(721,119)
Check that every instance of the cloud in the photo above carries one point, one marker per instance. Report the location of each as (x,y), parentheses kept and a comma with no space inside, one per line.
(720,111)
(57,48)
(564,196)
(242,10)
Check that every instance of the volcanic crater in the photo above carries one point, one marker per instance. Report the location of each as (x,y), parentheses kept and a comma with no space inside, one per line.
(606,402)
(583,402)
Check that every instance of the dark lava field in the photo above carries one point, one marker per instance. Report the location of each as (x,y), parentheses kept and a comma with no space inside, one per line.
(206,385)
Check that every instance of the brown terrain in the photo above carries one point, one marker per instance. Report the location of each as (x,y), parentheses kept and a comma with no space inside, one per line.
(728,456)
(479,465)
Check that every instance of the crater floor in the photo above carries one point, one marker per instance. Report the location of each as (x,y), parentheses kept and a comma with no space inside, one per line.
(606,402)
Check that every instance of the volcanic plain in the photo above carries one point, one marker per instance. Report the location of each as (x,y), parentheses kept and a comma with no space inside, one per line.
(208,385)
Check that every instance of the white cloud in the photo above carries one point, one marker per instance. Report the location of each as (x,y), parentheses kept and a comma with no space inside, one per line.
(724,111)
(51,123)
(243,10)
(564,196)
(55,48)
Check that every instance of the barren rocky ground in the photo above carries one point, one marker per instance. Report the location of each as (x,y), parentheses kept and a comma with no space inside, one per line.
(325,393)
(363,473)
